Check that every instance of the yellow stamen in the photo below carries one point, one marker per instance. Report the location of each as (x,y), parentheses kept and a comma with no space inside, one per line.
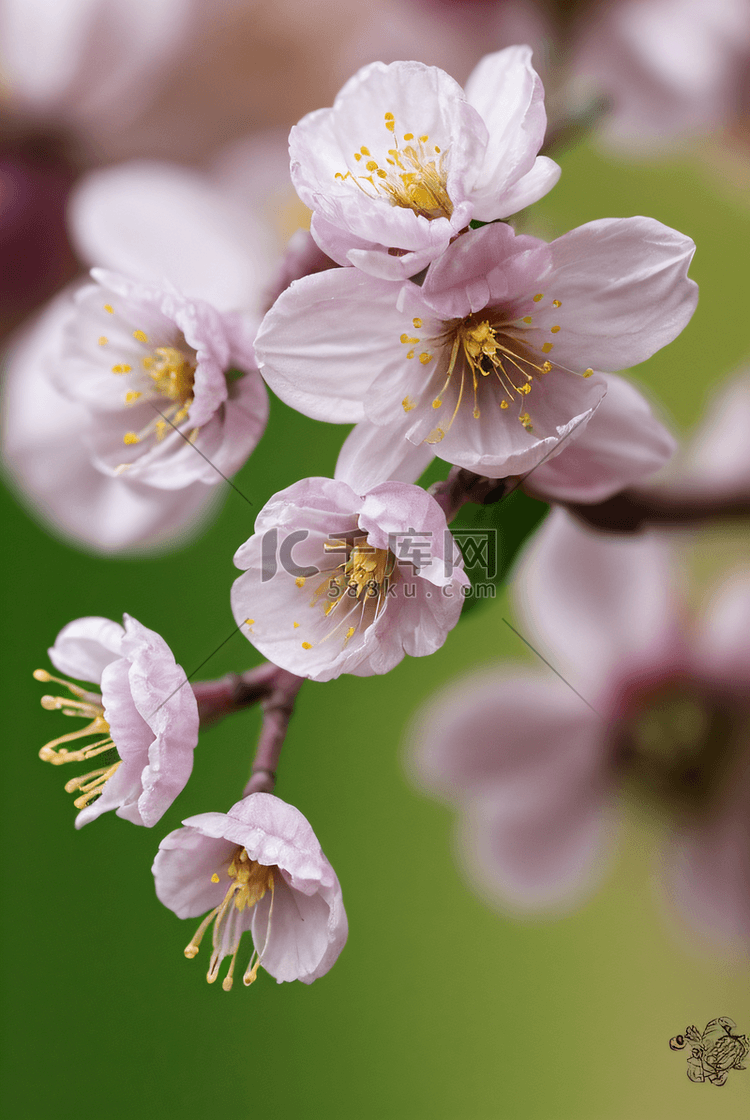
(249,882)
(86,705)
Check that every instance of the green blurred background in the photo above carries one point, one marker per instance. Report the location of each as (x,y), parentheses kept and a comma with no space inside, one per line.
(438,1007)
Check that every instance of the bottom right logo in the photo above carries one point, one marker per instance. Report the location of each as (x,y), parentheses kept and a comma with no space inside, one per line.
(715,1052)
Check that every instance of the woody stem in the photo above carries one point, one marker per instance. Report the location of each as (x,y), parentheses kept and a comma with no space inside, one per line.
(275,690)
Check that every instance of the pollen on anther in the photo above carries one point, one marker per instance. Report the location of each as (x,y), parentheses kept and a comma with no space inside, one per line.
(437,403)
(477,414)
(295,625)
(424,357)
(423,139)
(538,296)
(417,324)
(503,404)
(131,437)
(306,645)
(109,308)
(408,404)
(133,395)
(408,136)
(410,354)
(103,340)
(547,347)
(249,621)
(140,336)
(588,372)
(300,581)
(554,330)
(556,303)
(546,367)
(215,878)
(351,632)
(526,319)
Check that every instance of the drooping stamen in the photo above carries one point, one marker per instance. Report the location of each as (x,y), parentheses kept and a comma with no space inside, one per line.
(361,581)
(250,882)
(86,706)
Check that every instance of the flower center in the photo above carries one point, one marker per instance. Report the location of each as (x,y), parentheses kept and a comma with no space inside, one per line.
(353,593)
(485,352)
(85,705)
(161,373)
(413,177)
(677,742)
(249,881)
(171,373)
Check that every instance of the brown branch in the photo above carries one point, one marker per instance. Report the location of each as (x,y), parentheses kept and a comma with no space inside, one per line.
(641,507)
(275,690)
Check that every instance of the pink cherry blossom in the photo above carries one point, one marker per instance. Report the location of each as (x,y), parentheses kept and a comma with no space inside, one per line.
(534,762)
(146,713)
(151,367)
(104,512)
(491,361)
(405,159)
(117,417)
(335,582)
(260,868)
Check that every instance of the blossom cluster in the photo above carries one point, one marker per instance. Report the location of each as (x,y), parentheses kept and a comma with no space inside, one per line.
(418,310)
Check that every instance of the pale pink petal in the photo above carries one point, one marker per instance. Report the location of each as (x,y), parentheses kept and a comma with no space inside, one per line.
(167,705)
(531,187)
(527,764)
(390,508)
(274,832)
(346,248)
(131,737)
(158,222)
(489,266)
(595,603)
(496,443)
(719,454)
(306,935)
(184,864)
(508,95)
(624,291)
(325,340)
(622,443)
(84,648)
(372,453)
